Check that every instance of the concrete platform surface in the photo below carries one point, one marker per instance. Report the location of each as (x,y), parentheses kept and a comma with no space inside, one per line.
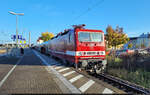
(28,76)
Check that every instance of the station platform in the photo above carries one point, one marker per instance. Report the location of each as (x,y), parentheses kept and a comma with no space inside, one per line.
(28,76)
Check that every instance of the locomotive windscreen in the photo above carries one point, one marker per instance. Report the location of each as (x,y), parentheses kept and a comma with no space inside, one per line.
(90,36)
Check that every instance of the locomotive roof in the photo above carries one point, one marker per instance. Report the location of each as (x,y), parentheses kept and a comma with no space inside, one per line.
(66,31)
(81,29)
(91,30)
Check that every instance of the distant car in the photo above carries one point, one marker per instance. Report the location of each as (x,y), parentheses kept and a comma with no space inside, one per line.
(142,51)
(121,52)
(124,52)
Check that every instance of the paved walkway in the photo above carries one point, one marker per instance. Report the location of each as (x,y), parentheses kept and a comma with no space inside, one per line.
(28,76)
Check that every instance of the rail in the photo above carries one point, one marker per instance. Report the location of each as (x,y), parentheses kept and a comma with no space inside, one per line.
(124,85)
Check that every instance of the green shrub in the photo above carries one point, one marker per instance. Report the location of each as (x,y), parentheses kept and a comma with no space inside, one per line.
(118,60)
(139,77)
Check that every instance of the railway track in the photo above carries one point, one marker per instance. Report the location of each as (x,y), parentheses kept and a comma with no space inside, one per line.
(126,86)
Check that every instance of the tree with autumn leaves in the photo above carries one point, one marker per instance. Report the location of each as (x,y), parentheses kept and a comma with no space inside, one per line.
(115,37)
(45,36)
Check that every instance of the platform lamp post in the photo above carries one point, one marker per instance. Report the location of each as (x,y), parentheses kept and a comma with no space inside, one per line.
(17,14)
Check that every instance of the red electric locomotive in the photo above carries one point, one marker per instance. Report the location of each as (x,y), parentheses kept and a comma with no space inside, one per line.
(85,48)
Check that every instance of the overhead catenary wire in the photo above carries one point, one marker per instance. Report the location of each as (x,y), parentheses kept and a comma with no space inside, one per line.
(88,9)
(85,12)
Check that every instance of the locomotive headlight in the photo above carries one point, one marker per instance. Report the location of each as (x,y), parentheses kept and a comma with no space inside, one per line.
(101,53)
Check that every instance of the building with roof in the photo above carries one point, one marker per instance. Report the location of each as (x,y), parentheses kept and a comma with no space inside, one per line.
(143,41)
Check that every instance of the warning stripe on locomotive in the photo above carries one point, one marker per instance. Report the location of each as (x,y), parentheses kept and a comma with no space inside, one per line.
(89,53)
(81,53)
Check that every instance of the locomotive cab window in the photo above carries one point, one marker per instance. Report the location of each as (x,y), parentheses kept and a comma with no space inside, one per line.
(90,37)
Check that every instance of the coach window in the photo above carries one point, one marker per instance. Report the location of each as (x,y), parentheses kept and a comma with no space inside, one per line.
(69,37)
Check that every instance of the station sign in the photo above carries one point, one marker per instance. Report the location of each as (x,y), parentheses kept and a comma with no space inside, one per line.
(20,37)
(14,37)
(23,39)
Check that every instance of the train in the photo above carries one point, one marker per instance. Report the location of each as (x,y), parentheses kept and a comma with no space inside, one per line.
(80,47)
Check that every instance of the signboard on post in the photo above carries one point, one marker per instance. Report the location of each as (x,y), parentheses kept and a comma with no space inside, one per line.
(14,37)
(20,37)
(24,41)
(21,41)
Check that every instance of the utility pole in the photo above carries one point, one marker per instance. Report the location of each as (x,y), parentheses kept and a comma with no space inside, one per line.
(23,38)
(22,33)
(29,39)
(16,31)
(17,14)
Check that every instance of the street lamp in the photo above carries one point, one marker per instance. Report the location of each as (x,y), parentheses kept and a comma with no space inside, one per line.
(21,14)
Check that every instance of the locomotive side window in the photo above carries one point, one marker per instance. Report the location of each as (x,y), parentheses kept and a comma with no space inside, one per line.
(90,37)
